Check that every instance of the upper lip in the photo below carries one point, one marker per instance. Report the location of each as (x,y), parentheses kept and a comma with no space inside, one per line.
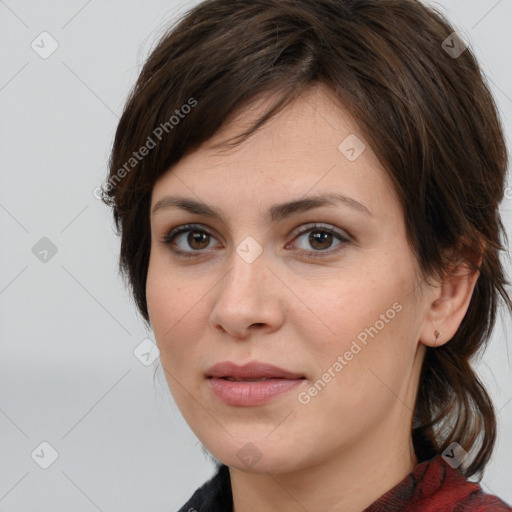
(252,370)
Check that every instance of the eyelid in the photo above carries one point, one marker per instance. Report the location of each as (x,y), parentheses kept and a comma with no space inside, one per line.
(172,234)
(168,239)
(294,233)
(342,234)
(343,237)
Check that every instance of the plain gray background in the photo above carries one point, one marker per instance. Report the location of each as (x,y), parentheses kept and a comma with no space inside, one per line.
(68,374)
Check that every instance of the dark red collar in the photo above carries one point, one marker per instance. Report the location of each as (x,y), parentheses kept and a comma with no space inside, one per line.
(434,486)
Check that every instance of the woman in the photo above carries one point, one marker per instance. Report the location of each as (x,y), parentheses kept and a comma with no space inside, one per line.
(307,193)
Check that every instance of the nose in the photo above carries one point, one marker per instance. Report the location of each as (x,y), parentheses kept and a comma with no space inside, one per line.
(248,299)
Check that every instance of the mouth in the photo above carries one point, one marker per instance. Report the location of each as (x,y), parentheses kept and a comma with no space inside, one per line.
(252,392)
(251,372)
(262,379)
(252,384)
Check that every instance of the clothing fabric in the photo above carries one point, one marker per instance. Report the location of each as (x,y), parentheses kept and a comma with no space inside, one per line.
(433,486)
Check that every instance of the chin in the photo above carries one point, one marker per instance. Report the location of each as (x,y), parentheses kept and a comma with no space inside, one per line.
(258,456)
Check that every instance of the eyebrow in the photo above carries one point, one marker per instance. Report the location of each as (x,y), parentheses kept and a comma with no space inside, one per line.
(277,212)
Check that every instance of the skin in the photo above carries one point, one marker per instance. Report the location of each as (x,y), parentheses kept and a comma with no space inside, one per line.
(351,442)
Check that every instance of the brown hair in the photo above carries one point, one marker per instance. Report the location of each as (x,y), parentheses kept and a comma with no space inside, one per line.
(427,114)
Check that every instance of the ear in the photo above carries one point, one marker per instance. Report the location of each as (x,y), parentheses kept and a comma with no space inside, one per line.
(449,301)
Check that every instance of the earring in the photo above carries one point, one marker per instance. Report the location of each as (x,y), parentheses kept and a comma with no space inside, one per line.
(436,334)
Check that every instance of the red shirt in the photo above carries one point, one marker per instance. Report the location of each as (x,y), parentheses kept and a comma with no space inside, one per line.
(433,486)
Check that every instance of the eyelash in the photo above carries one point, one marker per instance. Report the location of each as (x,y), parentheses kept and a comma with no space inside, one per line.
(168,239)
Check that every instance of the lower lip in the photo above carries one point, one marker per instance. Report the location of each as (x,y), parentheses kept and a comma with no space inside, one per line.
(244,393)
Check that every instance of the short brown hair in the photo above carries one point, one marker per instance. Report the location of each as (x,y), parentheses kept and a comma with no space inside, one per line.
(427,114)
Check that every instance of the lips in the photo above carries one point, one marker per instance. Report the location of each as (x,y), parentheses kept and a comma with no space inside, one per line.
(251,372)
(261,379)
(250,385)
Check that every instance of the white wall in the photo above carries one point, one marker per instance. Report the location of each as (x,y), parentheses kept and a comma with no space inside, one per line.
(67,372)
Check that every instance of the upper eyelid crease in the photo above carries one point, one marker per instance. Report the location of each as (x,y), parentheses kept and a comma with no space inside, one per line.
(301,230)
(277,212)
(311,227)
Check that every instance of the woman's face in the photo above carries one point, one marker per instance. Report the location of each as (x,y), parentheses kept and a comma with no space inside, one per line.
(323,288)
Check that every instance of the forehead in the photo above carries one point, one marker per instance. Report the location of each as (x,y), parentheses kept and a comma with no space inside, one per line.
(312,146)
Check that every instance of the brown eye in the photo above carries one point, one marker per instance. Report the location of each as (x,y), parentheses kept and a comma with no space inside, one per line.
(320,240)
(189,240)
(198,240)
(316,241)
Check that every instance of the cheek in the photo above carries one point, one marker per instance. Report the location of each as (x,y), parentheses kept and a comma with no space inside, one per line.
(359,376)
(167,303)
(178,310)
(167,294)
(159,299)
(364,320)
(347,306)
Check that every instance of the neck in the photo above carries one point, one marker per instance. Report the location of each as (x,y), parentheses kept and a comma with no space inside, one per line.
(349,480)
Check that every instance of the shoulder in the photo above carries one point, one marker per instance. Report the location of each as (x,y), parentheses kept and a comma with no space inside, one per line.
(453,491)
(471,496)
(479,501)
(214,495)
(435,486)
